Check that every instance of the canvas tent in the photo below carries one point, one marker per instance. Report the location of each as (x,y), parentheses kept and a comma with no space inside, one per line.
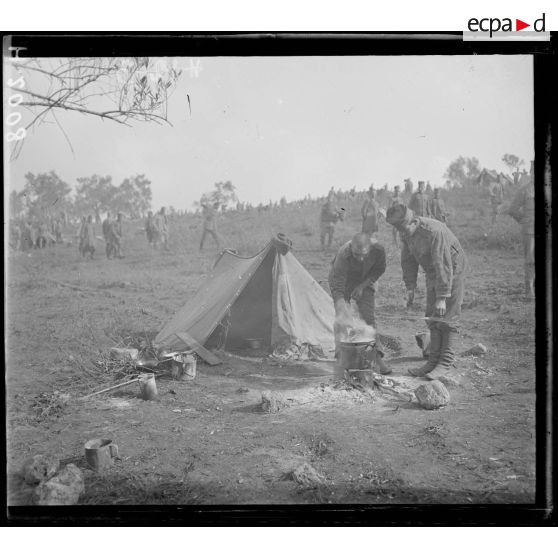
(269,296)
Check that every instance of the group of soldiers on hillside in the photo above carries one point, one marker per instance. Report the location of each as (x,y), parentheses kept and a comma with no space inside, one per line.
(423,203)
(35,233)
(157,229)
(428,243)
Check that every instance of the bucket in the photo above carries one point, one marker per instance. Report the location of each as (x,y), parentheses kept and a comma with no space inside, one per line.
(148,386)
(356,356)
(190,367)
(184,368)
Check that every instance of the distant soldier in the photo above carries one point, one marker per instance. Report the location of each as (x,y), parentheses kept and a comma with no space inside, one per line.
(108,235)
(438,207)
(496,193)
(210,223)
(329,215)
(117,235)
(428,190)
(41,235)
(420,202)
(408,187)
(57,230)
(354,273)
(87,237)
(370,214)
(150,228)
(429,244)
(161,225)
(522,209)
(396,198)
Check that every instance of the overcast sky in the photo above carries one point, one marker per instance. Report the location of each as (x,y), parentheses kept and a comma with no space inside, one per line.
(292,126)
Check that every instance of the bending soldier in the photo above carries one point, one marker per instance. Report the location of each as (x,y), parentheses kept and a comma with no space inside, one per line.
(431,245)
(355,270)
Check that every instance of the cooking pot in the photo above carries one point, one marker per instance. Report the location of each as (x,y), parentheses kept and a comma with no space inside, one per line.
(356,355)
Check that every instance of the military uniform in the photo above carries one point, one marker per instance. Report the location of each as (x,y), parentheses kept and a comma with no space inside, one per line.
(347,272)
(209,226)
(431,245)
(438,209)
(522,209)
(436,249)
(420,204)
(328,217)
(496,199)
(370,217)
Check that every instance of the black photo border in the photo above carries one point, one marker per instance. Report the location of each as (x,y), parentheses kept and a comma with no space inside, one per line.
(196,44)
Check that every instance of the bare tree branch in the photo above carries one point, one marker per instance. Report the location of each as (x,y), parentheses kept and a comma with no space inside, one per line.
(117,89)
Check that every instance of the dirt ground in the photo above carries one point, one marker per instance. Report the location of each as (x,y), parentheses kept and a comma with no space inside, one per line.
(206,441)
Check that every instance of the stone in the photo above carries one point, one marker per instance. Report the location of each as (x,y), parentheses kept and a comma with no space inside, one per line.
(63,489)
(432,395)
(477,350)
(39,468)
(307,476)
(272,402)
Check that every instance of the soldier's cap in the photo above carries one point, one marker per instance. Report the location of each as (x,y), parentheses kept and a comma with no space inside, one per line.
(399,214)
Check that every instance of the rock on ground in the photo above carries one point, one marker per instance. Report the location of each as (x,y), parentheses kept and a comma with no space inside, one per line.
(39,468)
(62,490)
(306,475)
(272,402)
(476,350)
(432,395)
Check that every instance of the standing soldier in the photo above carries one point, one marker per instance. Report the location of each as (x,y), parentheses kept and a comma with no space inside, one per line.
(210,224)
(117,234)
(496,193)
(438,207)
(408,187)
(431,245)
(329,215)
(87,238)
(522,209)
(396,198)
(420,202)
(108,235)
(162,227)
(354,272)
(428,190)
(370,214)
(149,228)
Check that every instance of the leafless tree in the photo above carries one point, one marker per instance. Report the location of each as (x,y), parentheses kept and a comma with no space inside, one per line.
(118,89)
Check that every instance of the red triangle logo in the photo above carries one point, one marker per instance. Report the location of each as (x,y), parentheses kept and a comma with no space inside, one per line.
(519,25)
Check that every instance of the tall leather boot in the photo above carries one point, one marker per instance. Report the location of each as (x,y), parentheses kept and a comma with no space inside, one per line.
(435,348)
(447,353)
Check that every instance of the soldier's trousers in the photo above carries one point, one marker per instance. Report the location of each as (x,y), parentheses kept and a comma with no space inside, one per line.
(213,234)
(453,302)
